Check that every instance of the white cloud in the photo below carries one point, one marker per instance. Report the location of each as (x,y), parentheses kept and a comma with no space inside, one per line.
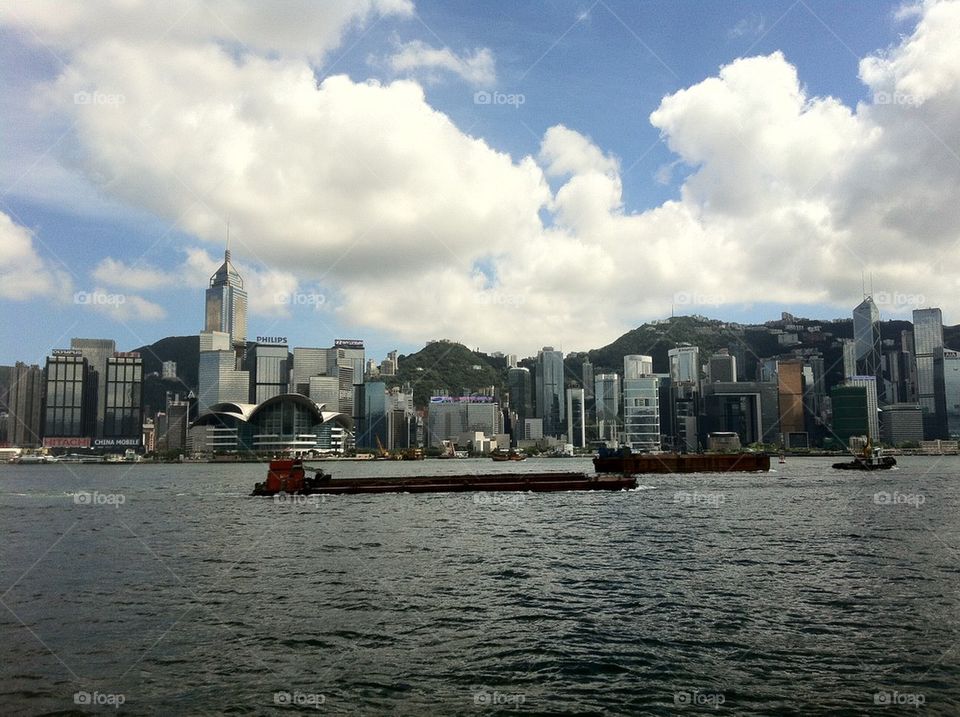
(24,274)
(477,68)
(122,307)
(366,189)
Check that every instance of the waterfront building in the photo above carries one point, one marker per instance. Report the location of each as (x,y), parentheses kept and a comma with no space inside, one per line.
(177,421)
(928,343)
(225,308)
(576,417)
(551,406)
(850,413)
(123,411)
(24,402)
(448,418)
(268,367)
(97,351)
(520,386)
(288,423)
(70,396)
(641,404)
(748,408)
(866,339)
(951,384)
(607,402)
(869,383)
(790,399)
(901,423)
(372,424)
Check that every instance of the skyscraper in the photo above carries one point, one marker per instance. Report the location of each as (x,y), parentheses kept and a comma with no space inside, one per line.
(576,417)
(551,406)
(928,344)
(607,399)
(790,397)
(521,399)
(723,367)
(866,343)
(869,384)
(70,398)
(849,347)
(24,404)
(96,352)
(268,368)
(641,404)
(123,411)
(684,364)
(226,303)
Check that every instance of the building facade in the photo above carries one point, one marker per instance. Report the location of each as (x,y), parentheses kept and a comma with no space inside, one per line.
(225,307)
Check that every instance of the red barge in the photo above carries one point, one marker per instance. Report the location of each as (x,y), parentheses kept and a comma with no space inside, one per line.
(635,463)
(290,477)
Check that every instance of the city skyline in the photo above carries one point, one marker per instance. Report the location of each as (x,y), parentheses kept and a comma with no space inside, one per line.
(577,185)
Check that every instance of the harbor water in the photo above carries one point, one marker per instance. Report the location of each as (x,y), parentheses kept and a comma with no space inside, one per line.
(166,589)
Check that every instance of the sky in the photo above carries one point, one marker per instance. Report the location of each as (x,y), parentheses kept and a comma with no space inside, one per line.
(508,175)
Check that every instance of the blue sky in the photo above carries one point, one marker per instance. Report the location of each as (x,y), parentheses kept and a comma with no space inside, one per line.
(599,69)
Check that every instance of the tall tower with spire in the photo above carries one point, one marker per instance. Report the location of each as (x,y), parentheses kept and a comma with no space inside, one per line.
(226,302)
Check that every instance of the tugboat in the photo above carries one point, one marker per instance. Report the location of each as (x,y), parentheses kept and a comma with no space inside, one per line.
(511,455)
(871,460)
(288,476)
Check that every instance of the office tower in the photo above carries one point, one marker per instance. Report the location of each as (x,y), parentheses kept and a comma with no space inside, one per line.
(177,421)
(684,364)
(901,423)
(24,405)
(908,368)
(641,404)
(449,418)
(97,351)
(928,344)
(586,373)
(511,360)
(790,397)
(70,398)
(220,381)
(576,417)
(869,384)
(226,303)
(267,365)
(123,412)
(307,363)
(748,408)
(324,390)
(866,340)
(347,353)
(951,384)
(520,385)
(849,347)
(722,366)
(372,426)
(607,400)
(169,370)
(850,413)
(346,381)
(550,384)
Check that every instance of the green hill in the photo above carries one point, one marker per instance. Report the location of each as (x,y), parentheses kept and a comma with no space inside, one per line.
(446,365)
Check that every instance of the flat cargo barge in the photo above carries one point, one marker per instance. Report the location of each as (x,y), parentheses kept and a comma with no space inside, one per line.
(289,477)
(635,463)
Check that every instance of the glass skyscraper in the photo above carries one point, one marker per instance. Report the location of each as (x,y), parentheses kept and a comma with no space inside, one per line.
(521,399)
(641,404)
(551,406)
(928,347)
(866,343)
(226,303)
(123,411)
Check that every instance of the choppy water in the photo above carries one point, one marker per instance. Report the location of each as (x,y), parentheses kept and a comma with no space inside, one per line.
(805,591)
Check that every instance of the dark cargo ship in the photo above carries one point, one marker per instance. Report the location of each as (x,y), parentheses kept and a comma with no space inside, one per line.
(290,477)
(633,463)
